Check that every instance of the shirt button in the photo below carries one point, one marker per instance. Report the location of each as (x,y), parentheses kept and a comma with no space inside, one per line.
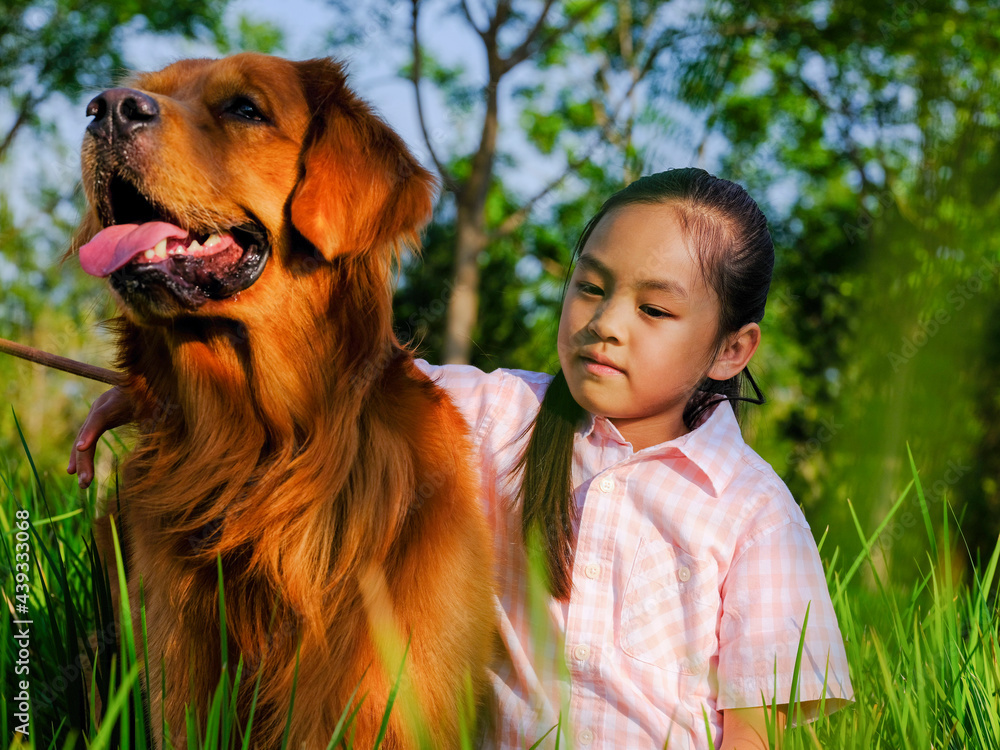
(684,573)
(592,571)
(585,737)
(581,652)
(607,484)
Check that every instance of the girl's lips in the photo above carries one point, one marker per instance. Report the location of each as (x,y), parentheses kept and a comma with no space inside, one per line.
(599,368)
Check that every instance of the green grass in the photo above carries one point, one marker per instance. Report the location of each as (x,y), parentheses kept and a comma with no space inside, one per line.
(923,649)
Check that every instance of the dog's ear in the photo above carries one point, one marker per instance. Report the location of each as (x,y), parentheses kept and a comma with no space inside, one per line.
(359,186)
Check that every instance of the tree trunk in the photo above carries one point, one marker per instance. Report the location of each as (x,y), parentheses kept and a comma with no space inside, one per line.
(470,230)
(463,306)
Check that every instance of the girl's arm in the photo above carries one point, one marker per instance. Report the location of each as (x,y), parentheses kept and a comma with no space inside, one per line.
(746,728)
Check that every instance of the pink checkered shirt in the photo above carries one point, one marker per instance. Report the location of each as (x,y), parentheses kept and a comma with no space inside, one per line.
(692,574)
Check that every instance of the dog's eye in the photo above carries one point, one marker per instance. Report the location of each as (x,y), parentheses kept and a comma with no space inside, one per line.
(244,108)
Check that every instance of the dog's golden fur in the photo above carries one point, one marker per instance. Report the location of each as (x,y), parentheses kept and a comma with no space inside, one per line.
(289,433)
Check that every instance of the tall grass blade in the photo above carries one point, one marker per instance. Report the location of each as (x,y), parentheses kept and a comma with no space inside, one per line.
(253,708)
(924,510)
(111,712)
(347,716)
(291,700)
(867,543)
(31,462)
(793,693)
(392,697)
(127,644)
(708,727)
(144,688)
(557,728)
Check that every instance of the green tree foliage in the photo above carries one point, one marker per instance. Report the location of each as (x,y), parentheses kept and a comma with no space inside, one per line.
(878,123)
(572,75)
(69,46)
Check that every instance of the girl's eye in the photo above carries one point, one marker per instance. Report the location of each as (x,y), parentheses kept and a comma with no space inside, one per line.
(586,288)
(243,108)
(655,312)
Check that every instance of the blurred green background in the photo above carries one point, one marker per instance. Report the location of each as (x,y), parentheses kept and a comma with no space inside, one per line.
(867,131)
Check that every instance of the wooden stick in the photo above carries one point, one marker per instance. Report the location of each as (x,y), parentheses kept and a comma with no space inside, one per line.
(62,363)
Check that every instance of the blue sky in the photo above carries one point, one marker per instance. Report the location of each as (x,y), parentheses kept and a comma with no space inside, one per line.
(373,64)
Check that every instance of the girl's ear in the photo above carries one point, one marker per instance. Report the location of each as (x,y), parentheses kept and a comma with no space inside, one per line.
(736,352)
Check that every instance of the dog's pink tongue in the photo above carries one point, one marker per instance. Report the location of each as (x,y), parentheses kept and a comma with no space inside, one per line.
(115,246)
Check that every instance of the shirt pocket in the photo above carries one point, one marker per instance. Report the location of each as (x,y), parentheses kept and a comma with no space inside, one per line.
(670,608)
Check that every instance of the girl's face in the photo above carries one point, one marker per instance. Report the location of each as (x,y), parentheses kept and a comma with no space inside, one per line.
(639,324)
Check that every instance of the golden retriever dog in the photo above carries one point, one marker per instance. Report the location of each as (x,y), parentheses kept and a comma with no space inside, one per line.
(247,213)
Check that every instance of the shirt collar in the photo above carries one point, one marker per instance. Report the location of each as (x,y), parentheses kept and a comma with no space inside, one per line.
(715,446)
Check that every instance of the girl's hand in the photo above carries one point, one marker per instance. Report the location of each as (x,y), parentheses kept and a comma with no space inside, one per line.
(112,409)
(746,728)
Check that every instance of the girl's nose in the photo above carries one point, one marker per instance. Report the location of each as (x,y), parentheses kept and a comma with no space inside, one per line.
(604,325)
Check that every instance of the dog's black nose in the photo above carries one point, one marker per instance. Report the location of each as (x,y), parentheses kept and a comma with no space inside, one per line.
(118,113)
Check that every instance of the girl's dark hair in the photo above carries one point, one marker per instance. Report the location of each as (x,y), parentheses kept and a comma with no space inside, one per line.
(736,255)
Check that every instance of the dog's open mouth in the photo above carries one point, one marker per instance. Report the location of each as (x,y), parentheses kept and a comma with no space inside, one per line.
(144,250)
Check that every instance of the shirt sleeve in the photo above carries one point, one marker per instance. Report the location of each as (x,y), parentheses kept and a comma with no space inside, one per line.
(473,391)
(764,601)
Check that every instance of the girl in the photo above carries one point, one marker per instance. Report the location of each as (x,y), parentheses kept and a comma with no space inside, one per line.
(654,573)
